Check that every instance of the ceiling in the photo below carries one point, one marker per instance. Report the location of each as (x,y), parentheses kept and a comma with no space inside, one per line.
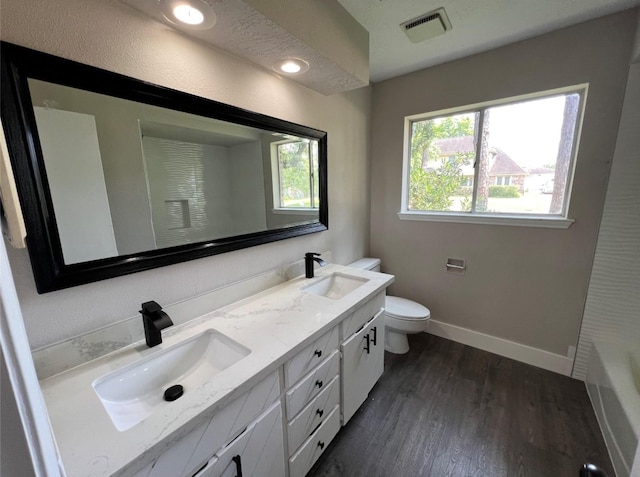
(477,26)
(266,32)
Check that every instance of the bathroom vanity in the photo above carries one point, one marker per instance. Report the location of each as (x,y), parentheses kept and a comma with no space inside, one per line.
(268,382)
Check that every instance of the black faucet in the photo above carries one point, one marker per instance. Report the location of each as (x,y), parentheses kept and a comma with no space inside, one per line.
(154,320)
(591,470)
(309,258)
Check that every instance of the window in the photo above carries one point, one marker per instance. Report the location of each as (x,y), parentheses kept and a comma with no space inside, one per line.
(508,161)
(295,175)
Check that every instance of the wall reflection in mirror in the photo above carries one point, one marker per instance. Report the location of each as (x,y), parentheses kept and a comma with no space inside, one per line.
(127,177)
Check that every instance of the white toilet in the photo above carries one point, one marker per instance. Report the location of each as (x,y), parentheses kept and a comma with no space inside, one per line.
(402,316)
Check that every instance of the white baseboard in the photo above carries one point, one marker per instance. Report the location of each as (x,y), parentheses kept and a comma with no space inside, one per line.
(510,349)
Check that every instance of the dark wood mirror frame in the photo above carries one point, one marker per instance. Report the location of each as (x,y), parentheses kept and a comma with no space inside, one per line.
(43,241)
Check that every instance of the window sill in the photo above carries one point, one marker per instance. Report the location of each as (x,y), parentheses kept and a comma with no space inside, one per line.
(295,211)
(489,219)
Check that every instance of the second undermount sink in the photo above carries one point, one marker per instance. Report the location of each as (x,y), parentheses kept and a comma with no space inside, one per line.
(134,392)
(335,286)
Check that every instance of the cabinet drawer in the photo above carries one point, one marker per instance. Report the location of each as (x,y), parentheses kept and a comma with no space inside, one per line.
(258,450)
(358,318)
(310,357)
(304,459)
(313,415)
(298,396)
(229,421)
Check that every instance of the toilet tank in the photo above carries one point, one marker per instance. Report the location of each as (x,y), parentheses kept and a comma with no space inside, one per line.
(372,264)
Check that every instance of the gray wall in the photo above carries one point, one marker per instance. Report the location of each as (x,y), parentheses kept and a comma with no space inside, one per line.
(83,30)
(522,284)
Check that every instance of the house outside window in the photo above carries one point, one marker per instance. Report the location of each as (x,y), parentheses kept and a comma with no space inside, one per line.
(493,162)
(295,175)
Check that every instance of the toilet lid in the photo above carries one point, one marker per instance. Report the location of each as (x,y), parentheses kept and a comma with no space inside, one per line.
(404,309)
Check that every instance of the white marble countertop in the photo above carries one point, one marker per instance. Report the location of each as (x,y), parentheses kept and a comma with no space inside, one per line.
(274,325)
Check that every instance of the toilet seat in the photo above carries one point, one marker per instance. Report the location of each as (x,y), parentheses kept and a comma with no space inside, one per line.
(403,309)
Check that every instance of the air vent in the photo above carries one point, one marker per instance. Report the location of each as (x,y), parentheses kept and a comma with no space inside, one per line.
(427,26)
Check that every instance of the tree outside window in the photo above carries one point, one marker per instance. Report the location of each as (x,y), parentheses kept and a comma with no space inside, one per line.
(297,170)
(496,159)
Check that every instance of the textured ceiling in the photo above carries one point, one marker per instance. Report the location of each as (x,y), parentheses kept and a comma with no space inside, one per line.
(478,25)
(263,31)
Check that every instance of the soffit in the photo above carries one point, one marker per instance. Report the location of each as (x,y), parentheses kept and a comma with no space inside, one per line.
(322,33)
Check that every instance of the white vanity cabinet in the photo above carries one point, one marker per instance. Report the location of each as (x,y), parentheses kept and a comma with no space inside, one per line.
(362,354)
(272,413)
(257,452)
(312,401)
(206,443)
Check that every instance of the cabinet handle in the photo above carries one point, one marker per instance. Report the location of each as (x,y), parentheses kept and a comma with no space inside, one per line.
(366,347)
(319,383)
(321,445)
(238,460)
(374,341)
(318,353)
(320,412)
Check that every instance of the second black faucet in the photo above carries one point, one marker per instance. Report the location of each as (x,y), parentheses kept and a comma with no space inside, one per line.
(309,258)
(154,320)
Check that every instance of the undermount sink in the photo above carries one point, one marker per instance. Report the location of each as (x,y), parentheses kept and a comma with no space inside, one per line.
(134,392)
(335,286)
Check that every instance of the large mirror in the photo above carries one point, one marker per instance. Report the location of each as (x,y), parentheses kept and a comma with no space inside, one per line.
(116,175)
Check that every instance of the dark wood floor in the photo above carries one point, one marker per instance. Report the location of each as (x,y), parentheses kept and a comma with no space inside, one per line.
(448,410)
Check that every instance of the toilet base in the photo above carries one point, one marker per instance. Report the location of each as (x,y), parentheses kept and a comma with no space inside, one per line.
(396,343)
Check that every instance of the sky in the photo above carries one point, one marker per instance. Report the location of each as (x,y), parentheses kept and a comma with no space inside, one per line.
(528,132)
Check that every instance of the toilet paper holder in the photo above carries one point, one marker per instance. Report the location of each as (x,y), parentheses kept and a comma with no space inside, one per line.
(455,265)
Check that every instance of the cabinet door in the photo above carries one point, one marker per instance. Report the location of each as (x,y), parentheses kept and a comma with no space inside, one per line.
(230,421)
(172,461)
(188,454)
(257,452)
(362,365)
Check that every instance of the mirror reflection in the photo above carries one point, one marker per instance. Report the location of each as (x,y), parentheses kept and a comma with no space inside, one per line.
(127,177)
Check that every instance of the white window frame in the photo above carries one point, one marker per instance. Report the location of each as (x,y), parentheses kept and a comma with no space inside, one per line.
(561,221)
(275,181)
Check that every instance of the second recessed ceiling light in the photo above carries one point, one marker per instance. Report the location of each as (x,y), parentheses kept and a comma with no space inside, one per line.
(291,66)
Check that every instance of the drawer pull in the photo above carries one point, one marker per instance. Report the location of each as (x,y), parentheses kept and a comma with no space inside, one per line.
(320,412)
(321,445)
(318,353)
(374,340)
(238,460)
(319,383)
(368,340)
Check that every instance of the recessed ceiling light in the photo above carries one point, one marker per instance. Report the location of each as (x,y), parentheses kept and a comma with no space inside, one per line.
(291,66)
(188,14)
